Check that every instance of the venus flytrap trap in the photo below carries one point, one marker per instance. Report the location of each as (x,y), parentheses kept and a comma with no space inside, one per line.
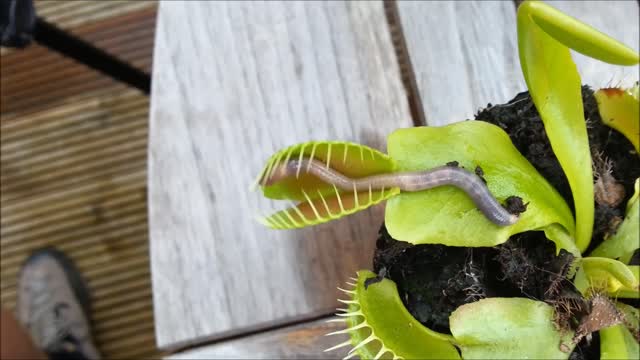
(320,201)
(434,199)
(381,327)
(619,109)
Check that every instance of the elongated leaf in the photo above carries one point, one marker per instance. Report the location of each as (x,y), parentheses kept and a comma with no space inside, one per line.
(620,110)
(630,292)
(508,328)
(319,201)
(381,327)
(616,342)
(446,215)
(554,85)
(607,274)
(579,36)
(627,238)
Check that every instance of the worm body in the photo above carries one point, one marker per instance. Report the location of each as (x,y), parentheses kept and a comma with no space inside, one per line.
(407,181)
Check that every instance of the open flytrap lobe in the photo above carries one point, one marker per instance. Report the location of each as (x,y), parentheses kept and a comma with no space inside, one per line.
(318,200)
(285,167)
(381,328)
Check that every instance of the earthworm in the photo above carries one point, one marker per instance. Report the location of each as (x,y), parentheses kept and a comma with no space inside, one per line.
(407,181)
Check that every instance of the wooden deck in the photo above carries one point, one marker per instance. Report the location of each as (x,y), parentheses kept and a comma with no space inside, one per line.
(73,167)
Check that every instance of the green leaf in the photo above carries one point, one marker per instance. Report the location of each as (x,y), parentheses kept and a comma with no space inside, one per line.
(508,328)
(636,195)
(607,274)
(554,85)
(630,292)
(627,238)
(631,318)
(380,326)
(579,36)
(616,342)
(320,202)
(446,215)
(558,235)
(620,110)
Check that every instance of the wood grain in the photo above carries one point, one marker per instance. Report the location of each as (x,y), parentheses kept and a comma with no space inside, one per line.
(74,177)
(226,95)
(618,19)
(71,14)
(36,77)
(464,55)
(304,341)
(73,154)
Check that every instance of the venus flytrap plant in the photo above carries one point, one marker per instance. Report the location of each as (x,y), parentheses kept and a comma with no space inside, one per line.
(376,319)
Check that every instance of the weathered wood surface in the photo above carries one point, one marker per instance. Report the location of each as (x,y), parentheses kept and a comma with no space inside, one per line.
(226,94)
(306,341)
(464,55)
(618,19)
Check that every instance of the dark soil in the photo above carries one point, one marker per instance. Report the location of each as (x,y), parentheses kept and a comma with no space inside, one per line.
(433,280)
(614,156)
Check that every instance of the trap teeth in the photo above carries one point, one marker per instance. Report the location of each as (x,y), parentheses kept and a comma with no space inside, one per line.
(350,292)
(350,314)
(349,356)
(343,344)
(363,343)
(348,302)
(346,331)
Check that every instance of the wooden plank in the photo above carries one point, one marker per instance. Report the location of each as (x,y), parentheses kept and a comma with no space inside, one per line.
(73,174)
(618,19)
(71,14)
(227,94)
(304,341)
(464,55)
(36,77)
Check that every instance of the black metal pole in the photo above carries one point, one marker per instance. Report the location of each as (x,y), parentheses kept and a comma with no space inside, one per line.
(48,35)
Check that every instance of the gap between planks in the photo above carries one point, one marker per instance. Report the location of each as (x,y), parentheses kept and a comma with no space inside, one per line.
(407,73)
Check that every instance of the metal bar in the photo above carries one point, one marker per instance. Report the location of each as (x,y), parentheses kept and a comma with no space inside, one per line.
(48,35)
